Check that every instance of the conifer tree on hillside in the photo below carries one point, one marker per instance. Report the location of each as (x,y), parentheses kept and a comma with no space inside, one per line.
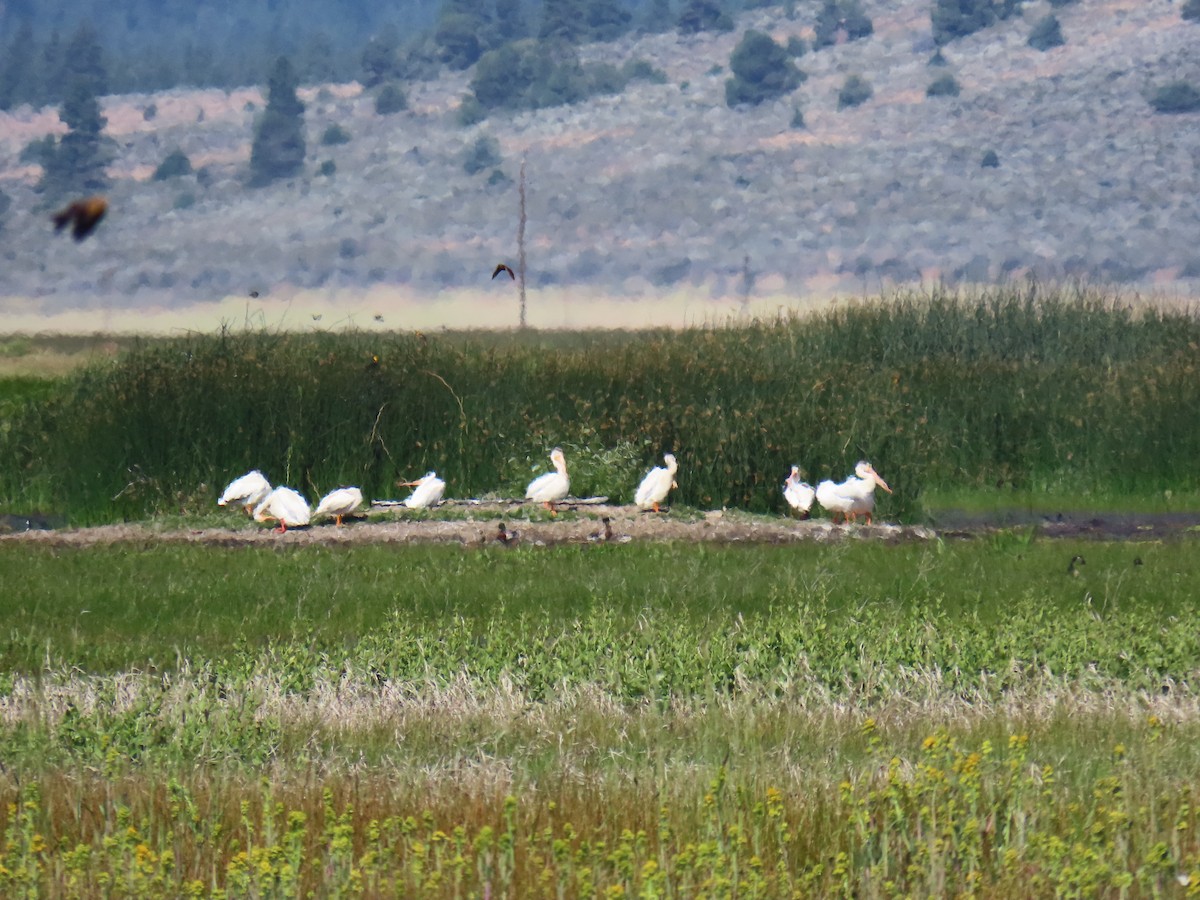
(580,21)
(462,33)
(511,22)
(77,163)
(380,59)
(16,68)
(278,150)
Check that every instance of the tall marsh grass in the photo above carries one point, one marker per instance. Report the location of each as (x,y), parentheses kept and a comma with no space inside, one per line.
(1015,388)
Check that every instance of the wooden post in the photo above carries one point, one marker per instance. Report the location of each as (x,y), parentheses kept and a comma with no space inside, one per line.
(521,245)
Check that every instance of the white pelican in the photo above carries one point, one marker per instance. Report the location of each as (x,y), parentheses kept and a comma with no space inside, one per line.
(855,496)
(285,506)
(248,491)
(799,494)
(339,503)
(429,490)
(552,487)
(657,484)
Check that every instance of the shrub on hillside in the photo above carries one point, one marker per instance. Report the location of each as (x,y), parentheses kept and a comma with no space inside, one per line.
(483,154)
(762,70)
(945,85)
(391,99)
(855,91)
(1046,35)
(335,134)
(534,74)
(638,69)
(703,15)
(175,165)
(957,18)
(844,16)
(38,151)
(1176,97)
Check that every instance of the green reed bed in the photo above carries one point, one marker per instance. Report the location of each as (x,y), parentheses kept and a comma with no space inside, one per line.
(1016,388)
(669,721)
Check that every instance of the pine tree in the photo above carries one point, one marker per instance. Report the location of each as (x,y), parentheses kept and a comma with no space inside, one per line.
(17,72)
(77,164)
(278,150)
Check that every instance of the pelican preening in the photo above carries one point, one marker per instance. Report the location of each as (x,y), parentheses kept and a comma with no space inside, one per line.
(798,494)
(248,491)
(339,503)
(552,487)
(657,484)
(285,506)
(855,496)
(429,491)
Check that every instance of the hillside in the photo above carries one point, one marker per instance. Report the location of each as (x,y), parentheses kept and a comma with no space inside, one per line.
(663,189)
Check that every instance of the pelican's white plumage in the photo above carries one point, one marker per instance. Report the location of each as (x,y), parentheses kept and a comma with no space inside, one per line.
(284,506)
(552,487)
(799,494)
(657,484)
(339,503)
(248,491)
(855,496)
(429,491)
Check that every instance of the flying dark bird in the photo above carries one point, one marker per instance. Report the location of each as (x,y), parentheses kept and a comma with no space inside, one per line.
(83,216)
(254,294)
(501,267)
(378,317)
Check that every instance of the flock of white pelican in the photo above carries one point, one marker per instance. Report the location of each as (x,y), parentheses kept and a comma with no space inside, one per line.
(845,501)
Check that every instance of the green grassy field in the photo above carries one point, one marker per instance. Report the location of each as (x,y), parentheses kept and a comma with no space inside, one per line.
(634,720)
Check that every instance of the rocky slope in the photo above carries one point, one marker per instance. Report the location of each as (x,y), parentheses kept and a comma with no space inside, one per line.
(663,188)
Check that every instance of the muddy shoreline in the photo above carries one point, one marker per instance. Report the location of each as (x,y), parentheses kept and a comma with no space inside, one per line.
(478,524)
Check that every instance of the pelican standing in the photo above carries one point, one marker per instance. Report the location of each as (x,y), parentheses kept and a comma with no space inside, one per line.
(429,491)
(855,496)
(657,484)
(799,494)
(248,491)
(552,487)
(339,503)
(284,506)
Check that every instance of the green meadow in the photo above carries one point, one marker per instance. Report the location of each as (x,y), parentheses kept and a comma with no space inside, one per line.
(1001,716)
(669,720)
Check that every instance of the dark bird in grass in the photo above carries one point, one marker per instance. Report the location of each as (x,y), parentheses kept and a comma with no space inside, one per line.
(1137,560)
(82,215)
(1074,564)
(505,536)
(501,267)
(604,534)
